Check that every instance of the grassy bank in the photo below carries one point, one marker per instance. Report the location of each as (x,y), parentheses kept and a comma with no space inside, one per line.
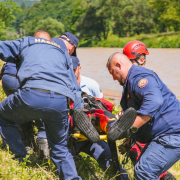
(161,40)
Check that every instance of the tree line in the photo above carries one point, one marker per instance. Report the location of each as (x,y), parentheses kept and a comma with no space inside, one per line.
(92,19)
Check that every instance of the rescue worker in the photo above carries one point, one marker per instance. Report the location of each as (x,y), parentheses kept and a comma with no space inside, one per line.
(10,84)
(158,116)
(43,95)
(99,151)
(136,51)
(70,42)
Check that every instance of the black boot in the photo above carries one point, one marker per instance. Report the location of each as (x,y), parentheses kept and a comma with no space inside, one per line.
(27,135)
(118,129)
(85,126)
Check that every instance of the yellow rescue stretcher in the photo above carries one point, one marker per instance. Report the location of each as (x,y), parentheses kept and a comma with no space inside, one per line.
(81,137)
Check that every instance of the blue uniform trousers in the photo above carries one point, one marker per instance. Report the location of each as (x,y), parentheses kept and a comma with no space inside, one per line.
(160,155)
(27,105)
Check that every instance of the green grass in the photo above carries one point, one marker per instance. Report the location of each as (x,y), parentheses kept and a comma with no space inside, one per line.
(159,40)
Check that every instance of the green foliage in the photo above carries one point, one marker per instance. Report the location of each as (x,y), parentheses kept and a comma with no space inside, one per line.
(30,26)
(50,25)
(54,9)
(132,17)
(3,31)
(7,8)
(96,20)
(23,6)
(93,20)
(160,40)
(75,16)
(168,12)
(28,3)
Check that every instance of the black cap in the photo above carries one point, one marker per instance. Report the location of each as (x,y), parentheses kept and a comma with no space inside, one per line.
(71,39)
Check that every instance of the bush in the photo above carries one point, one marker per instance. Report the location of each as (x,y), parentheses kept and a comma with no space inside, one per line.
(160,40)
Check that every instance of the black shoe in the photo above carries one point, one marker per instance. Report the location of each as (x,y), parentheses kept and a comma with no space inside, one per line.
(121,125)
(85,126)
(168,176)
(43,149)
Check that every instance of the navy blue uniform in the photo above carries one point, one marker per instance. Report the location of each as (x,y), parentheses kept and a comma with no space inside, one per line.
(10,83)
(43,65)
(145,91)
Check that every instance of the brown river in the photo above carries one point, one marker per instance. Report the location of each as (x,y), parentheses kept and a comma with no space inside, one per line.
(165,62)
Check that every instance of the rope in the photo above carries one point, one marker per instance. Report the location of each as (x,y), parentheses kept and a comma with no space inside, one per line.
(111,95)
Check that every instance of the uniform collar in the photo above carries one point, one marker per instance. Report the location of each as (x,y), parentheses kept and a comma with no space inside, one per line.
(129,72)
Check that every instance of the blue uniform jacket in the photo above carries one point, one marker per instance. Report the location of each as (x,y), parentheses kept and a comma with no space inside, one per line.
(78,103)
(43,64)
(9,68)
(145,91)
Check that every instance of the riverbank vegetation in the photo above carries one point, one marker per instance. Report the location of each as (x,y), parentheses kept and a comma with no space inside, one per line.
(158,40)
(105,23)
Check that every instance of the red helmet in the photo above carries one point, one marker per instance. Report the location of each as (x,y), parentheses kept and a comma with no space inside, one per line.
(135,48)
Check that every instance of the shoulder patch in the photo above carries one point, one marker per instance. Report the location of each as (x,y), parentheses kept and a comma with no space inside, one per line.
(142,82)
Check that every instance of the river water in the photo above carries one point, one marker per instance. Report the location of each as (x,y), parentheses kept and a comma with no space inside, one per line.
(165,62)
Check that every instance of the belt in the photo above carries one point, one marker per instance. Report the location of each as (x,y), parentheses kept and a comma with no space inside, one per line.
(45,91)
(10,74)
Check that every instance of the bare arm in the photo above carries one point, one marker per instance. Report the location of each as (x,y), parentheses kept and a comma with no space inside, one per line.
(141,120)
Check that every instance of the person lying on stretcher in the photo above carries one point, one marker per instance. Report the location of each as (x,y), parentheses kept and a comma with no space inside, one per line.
(99,112)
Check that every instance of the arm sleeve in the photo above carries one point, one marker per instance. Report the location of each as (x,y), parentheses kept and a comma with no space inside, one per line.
(150,95)
(78,101)
(95,89)
(9,50)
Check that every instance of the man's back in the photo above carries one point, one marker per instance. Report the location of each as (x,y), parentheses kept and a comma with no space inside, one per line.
(44,66)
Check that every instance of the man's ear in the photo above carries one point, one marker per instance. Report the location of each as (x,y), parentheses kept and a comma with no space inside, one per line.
(118,65)
(79,69)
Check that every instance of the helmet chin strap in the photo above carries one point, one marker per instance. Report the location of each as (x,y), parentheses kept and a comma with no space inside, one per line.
(136,60)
